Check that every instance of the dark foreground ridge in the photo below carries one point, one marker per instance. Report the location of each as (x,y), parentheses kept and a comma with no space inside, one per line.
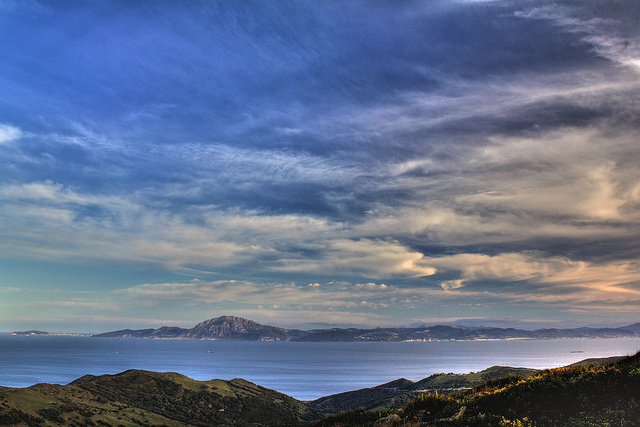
(397,393)
(585,394)
(237,328)
(590,393)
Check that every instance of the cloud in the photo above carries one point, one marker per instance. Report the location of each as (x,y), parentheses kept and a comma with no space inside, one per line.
(511,278)
(372,286)
(546,185)
(571,183)
(596,31)
(230,164)
(123,229)
(47,219)
(563,173)
(471,149)
(506,267)
(275,298)
(535,278)
(363,257)
(45,191)
(81,304)
(9,133)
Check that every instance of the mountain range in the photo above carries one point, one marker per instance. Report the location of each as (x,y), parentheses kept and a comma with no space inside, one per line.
(238,328)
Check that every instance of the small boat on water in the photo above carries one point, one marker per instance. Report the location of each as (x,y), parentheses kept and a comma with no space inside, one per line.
(576,351)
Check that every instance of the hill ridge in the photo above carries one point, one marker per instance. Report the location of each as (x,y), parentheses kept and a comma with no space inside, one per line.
(138,397)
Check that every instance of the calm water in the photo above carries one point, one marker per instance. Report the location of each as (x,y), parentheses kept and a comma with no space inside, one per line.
(302,370)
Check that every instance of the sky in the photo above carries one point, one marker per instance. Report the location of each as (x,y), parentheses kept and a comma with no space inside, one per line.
(308,164)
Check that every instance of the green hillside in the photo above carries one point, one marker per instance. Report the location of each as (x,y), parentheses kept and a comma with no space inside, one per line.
(142,398)
(601,392)
(397,393)
(581,395)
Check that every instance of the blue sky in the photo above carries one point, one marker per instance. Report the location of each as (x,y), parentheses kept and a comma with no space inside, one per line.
(306,163)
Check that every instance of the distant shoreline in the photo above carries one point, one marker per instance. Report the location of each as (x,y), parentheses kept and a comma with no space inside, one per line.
(238,328)
(89,335)
(45,334)
(233,328)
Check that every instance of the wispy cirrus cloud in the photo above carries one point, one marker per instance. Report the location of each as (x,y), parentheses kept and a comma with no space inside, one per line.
(595,31)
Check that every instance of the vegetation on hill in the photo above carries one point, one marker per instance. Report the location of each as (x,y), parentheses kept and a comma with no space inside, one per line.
(150,399)
(397,393)
(575,396)
(587,394)
(214,402)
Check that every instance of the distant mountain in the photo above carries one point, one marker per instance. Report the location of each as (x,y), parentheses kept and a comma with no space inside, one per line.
(165,332)
(219,328)
(231,327)
(459,333)
(634,328)
(238,328)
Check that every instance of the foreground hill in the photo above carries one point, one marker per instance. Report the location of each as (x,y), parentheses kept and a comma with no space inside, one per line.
(238,328)
(580,395)
(398,393)
(583,394)
(150,399)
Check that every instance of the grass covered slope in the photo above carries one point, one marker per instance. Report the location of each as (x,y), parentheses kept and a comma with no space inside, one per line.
(149,399)
(56,405)
(398,393)
(583,394)
(181,398)
(571,396)
(578,395)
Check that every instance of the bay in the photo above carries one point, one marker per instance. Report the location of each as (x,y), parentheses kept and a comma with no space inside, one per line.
(305,371)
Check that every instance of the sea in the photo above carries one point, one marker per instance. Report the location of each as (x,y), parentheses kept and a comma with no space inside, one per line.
(305,371)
